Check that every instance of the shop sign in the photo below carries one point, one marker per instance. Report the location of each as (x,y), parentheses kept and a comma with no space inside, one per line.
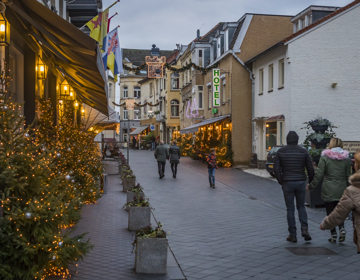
(352,146)
(216,87)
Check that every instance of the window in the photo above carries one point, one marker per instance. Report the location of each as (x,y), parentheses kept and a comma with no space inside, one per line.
(125,115)
(125,135)
(125,92)
(151,89)
(160,107)
(271,134)
(281,73)
(164,83)
(174,81)
(175,108)
(271,77)
(137,92)
(137,113)
(201,97)
(201,58)
(261,81)
(209,98)
(223,90)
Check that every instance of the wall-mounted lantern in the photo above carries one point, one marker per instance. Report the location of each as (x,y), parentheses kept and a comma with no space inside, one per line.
(4,31)
(41,69)
(67,91)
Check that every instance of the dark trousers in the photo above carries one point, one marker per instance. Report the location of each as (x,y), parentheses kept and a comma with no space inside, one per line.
(161,168)
(330,206)
(174,168)
(295,190)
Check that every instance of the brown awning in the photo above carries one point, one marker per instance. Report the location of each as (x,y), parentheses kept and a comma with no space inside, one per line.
(73,53)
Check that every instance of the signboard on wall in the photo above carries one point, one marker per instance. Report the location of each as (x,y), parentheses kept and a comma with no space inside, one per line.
(216,87)
(352,146)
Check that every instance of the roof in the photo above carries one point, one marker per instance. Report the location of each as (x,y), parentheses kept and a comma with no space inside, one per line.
(195,127)
(236,34)
(138,130)
(172,57)
(211,33)
(265,52)
(339,11)
(137,56)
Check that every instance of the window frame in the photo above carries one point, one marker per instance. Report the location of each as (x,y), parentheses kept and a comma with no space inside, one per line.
(173,78)
(271,77)
(125,113)
(126,89)
(177,105)
(209,98)
(281,74)
(261,81)
(137,90)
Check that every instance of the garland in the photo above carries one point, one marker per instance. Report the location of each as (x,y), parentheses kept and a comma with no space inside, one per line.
(176,70)
(137,104)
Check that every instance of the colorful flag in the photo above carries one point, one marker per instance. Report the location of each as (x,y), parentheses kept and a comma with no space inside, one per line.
(112,56)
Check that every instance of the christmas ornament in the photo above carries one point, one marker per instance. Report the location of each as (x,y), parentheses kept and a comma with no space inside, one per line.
(59,172)
(71,172)
(28,215)
(60,243)
(68,149)
(43,149)
(26,135)
(54,258)
(5,107)
(82,194)
(91,190)
(74,189)
(78,160)
(67,177)
(58,155)
(72,181)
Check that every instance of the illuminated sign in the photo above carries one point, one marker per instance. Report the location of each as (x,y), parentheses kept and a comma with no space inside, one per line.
(216,87)
(191,109)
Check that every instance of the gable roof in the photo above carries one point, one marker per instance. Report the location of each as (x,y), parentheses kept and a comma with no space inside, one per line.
(137,56)
(211,33)
(172,57)
(339,11)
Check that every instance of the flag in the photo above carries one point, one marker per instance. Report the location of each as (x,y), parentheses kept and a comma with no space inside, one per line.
(112,56)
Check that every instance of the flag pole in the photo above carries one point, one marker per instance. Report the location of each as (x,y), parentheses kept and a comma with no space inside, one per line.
(109,21)
(82,27)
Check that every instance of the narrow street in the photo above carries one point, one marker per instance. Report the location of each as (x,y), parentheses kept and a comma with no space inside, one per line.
(235,231)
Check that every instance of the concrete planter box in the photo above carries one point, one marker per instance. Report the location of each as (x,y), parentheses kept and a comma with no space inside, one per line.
(130,197)
(139,217)
(151,255)
(128,184)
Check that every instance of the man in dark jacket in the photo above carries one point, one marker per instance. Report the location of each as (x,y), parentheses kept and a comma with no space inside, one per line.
(174,152)
(289,168)
(152,143)
(161,154)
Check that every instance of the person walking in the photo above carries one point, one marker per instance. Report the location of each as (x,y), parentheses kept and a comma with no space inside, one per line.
(152,143)
(212,165)
(134,142)
(161,154)
(335,169)
(174,159)
(289,169)
(349,202)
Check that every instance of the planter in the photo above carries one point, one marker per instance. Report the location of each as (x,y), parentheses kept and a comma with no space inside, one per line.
(151,255)
(320,128)
(128,183)
(130,197)
(313,198)
(139,217)
(322,144)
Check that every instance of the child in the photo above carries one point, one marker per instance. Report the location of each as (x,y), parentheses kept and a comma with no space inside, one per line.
(211,160)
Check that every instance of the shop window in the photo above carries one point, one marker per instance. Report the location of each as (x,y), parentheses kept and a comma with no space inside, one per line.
(271,134)
(175,108)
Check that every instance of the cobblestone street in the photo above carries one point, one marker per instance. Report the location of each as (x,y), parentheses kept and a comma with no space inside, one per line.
(235,231)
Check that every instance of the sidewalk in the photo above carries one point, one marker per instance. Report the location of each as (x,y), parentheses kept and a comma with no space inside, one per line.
(238,230)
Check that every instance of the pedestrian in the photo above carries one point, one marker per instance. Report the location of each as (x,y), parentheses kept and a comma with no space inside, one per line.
(349,202)
(152,143)
(289,169)
(357,161)
(211,160)
(134,142)
(335,169)
(161,154)
(174,159)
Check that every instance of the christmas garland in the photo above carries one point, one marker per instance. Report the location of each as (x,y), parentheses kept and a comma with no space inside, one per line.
(137,104)
(176,70)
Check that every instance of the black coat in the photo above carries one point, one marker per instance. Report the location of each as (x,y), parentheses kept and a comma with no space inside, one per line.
(291,161)
(174,154)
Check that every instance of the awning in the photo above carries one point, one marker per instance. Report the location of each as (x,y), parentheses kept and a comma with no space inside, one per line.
(65,48)
(195,127)
(139,130)
(94,118)
(273,118)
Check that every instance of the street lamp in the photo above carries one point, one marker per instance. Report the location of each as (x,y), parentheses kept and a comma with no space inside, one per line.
(41,69)
(150,114)
(4,30)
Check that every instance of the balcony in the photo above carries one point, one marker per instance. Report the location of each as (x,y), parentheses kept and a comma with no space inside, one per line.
(160,117)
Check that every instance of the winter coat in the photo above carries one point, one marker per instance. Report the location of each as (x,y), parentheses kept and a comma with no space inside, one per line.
(335,167)
(291,161)
(161,153)
(350,201)
(174,152)
(211,160)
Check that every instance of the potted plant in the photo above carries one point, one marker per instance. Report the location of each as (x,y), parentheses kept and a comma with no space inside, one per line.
(135,191)
(151,250)
(128,181)
(319,125)
(319,140)
(139,213)
(157,112)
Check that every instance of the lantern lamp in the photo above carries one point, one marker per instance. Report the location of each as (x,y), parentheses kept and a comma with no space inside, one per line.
(65,88)
(41,69)
(76,104)
(4,31)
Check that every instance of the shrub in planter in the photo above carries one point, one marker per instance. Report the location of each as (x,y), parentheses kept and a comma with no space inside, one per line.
(135,191)
(128,182)
(139,213)
(151,250)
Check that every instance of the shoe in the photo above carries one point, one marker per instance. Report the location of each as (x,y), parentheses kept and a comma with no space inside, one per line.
(305,234)
(174,176)
(342,234)
(213,185)
(333,238)
(291,238)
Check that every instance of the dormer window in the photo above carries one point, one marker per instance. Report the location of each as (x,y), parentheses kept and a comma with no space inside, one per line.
(201,58)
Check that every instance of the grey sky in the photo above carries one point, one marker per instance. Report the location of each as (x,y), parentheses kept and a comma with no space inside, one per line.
(168,22)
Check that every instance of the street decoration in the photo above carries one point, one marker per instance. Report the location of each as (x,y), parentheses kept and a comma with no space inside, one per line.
(137,104)
(191,109)
(155,66)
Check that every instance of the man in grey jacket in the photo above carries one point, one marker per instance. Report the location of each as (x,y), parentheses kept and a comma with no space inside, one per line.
(161,154)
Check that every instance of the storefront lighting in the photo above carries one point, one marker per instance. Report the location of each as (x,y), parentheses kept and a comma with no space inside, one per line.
(83,111)
(4,31)
(41,69)
(267,125)
(67,91)
(76,104)
(227,125)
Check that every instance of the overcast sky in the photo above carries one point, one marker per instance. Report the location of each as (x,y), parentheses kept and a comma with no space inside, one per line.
(170,22)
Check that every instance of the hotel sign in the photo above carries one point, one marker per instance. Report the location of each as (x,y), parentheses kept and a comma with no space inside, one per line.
(216,87)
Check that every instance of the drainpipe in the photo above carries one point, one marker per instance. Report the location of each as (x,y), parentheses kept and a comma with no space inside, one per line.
(252,99)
